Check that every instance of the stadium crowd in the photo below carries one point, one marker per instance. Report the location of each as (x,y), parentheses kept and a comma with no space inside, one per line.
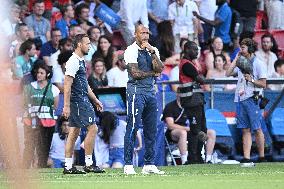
(40,34)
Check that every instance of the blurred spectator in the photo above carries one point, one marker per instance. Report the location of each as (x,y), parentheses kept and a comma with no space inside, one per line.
(57,148)
(98,78)
(37,136)
(266,57)
(113,131)
(51,46)
(25,61)
(65,44)
(118,76)
(185,24)
(75,30)
(164,87)
(104,27)
(247,11)
(217,72)
(207,9)
(130,16)
(91,5)
(165,41)
(39,26)
(58,78)
(24,12)
(82,16)
(106,52)
(157,12)
(279,73)
(58,72)
(48,4)
(94,34)
(66,21)
(8,25)
(275,9)
(216,48)
(221,23)
(22,34)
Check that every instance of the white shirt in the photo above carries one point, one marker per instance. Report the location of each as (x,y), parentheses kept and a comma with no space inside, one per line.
(8,27)
(267,61)
(131,11)
(53,60)
(183,17)
(58,76)
(245,89)
(208,8)
(72,65)
(57,148)
(131,53)
(117,78)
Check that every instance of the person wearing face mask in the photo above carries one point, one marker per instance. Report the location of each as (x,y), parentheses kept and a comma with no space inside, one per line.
(192,100)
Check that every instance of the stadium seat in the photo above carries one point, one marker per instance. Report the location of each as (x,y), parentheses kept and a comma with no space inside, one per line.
(54,18)
(261,20)
(117,40)
(279,37)
(224,142)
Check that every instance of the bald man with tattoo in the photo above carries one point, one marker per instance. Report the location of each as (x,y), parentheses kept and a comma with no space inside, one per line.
(143,64)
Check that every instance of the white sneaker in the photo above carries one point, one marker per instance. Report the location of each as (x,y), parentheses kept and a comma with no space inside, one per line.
(129,170)
(148,169)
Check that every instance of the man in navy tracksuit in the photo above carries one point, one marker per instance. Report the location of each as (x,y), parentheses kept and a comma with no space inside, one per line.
(143,64)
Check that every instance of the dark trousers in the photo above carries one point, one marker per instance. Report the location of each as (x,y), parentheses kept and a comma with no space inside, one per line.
(141,107)
(196,117)
(37,140)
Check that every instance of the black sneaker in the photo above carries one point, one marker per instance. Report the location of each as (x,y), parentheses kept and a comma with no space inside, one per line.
(93,169)
(73,170)
(246,163)
(261,160)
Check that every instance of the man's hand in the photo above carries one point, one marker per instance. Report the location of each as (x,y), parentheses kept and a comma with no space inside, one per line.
(66,111)
(195,14)
(146,45)
(99,105)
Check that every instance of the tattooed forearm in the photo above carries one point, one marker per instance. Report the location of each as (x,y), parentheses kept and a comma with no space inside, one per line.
(136,73)
(158,66)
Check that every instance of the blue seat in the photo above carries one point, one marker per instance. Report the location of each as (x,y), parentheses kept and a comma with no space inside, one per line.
(276,128)
(224,141)
(217,121)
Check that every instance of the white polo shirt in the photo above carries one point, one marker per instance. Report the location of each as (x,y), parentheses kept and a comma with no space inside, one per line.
(72,65)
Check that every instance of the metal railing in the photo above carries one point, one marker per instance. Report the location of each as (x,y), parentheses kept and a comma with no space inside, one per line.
(213,82)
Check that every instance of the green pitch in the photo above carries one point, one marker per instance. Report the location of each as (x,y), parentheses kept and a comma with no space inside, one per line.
(268,175)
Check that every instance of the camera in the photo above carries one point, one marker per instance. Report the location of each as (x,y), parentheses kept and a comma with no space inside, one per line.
(263,100)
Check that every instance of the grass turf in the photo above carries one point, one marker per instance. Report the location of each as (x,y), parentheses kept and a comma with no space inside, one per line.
(266,175)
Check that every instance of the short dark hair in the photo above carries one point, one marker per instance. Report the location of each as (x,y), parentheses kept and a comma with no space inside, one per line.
(64,57)
(38,1)
(278,63)
(18,26)
(80,7)
(45,67)
(64,8)
(54,30)
(63,41)
(91,29)
(190,51)
(26,45)
(78,39)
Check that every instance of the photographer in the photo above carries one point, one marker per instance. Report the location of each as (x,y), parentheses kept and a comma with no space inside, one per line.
(251,81)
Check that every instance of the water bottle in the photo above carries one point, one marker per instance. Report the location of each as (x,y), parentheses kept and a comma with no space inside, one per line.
(237,27)
(169,160)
